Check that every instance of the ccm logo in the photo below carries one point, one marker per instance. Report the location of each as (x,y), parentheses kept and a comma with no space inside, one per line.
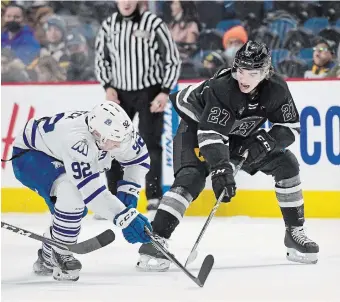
(16,230)
(218,171)
(127,217)
(264,142)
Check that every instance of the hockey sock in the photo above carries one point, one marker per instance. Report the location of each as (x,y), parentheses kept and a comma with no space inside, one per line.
(164,223)
(46,252)
(289,196)
(66,226)
(171,211)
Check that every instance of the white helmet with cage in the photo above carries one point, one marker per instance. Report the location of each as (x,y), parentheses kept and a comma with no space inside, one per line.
(109,121)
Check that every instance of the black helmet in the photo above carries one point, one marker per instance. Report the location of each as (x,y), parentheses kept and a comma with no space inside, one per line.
(253,55)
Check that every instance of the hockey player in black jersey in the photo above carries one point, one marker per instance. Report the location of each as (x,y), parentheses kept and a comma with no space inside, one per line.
(221,119)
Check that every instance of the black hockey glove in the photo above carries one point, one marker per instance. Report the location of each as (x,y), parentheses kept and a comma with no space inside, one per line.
(222,178)
(258,145)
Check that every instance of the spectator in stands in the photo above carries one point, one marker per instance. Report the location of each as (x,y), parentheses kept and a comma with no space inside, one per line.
(12,68)
(335,71)
(323,56)
(3,9)
(48,70)
(55,48)
(31,10)
(184,27)
(18,36)
(55,29)
(211,12)
(39,19)
(88,24)
(81,66)
(233,39)
(211,63)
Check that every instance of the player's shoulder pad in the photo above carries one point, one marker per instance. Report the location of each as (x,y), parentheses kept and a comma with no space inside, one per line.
(276,91)
(221,72)
(82,148)
(221,79)
(221,82)
(278,84)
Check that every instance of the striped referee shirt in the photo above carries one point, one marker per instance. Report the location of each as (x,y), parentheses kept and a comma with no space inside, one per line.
(136,53)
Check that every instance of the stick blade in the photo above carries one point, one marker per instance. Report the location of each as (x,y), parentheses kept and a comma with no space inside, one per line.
(205,270)
(94,243)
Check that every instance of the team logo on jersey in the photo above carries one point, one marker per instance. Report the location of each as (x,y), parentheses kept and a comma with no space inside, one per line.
(108,122)
(246,126)
(126,124)
(243,129)
(57,164)
(82,147)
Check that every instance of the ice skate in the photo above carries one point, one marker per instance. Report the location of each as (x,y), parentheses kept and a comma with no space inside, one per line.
(299,247)
(151,259)
(66,267)
(42,267)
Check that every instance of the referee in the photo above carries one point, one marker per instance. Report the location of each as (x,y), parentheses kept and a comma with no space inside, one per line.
(138,63)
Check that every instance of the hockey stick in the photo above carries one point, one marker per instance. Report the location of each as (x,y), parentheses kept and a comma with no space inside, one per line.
(84,247)
(204,270)
(193,254)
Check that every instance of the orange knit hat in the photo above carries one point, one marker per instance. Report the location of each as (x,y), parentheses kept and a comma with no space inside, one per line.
(236,32)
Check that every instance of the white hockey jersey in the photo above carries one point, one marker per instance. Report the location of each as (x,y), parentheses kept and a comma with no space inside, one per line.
(66,137)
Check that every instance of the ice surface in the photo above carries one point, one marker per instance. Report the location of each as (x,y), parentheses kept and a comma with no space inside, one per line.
(250,265)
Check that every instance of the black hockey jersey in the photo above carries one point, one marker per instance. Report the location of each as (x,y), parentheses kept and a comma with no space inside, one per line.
(221,110)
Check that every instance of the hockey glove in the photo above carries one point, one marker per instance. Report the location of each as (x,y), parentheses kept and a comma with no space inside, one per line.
(258,145)
(133,224)
(222,178)
(128,193)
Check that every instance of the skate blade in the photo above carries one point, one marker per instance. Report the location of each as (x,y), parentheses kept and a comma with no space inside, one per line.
(150,264)
(60,275)
(42,270)
(43,273)
(296,256)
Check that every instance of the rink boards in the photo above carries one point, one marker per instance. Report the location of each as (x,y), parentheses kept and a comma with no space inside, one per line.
(317,149)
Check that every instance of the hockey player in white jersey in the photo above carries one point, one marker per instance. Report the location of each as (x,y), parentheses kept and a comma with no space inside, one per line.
(61,158)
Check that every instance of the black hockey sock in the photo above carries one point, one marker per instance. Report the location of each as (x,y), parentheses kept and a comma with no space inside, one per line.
(164,223)
(171,210)
(289,196)
(293,216)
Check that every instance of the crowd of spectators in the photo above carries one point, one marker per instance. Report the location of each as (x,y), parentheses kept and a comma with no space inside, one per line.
(50,40)
(54,40)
